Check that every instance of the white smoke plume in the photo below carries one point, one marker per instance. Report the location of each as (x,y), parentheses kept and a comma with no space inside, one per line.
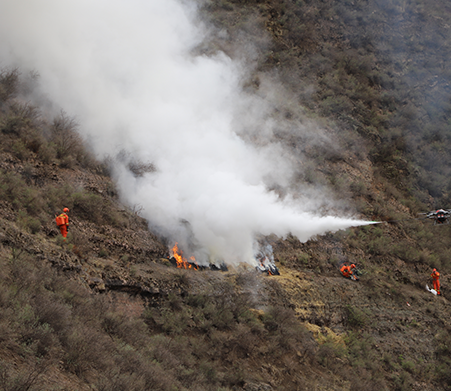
(127,71)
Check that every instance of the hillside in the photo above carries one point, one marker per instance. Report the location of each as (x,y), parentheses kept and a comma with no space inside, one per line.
(107,310)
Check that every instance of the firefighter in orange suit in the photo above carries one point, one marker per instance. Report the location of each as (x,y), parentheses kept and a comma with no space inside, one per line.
(435,280)
(346,271)
(63,222)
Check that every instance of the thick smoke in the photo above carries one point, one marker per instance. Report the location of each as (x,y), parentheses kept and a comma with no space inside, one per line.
(127,71)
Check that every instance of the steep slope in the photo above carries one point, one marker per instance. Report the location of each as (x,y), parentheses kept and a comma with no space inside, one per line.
(107,310)
(113,282)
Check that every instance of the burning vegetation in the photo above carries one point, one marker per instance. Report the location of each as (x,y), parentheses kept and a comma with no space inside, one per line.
(265,262)
(180,262)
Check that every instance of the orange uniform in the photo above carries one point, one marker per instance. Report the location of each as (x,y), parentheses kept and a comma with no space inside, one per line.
(63,222)
(435,280)
(346,271)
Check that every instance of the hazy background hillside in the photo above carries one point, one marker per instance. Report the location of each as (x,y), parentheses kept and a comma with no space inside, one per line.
(377,67)
(277,123)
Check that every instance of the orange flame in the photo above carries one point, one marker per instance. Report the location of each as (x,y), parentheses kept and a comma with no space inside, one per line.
(182,263)
(264,267)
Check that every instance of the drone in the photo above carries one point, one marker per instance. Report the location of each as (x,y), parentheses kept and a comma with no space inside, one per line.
(440,216)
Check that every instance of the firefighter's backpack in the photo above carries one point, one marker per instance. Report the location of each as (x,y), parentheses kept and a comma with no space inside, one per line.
(60,220)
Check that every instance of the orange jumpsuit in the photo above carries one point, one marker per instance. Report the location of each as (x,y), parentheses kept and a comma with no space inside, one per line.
(63,227)
(346,271)
(435,281)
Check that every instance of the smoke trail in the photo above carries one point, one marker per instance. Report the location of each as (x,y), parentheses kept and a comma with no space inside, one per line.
(127,71)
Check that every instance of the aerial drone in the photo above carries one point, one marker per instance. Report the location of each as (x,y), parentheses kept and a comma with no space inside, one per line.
(440,216)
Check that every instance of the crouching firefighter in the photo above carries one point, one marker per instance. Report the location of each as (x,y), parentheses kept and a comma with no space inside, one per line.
(62,221)
(349,271)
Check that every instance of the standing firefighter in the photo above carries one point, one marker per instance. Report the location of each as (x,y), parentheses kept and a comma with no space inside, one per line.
(62,221)
(435,280)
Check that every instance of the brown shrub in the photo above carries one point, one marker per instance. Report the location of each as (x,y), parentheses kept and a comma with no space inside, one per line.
(85,349)
(50,311)
(9,82)
(63,133)
(130,330)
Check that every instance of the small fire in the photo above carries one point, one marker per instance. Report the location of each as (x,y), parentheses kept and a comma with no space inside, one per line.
(182,263)
(269,272)
(266,263)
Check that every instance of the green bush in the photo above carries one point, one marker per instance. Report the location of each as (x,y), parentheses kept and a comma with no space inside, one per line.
(29,223)
(47,153)
(358,188)
(355,317)
(9,82)
(20,150)
(19,120)
(12,188)
(407,253)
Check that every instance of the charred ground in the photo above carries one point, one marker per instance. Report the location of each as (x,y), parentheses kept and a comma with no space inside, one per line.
(107,310)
